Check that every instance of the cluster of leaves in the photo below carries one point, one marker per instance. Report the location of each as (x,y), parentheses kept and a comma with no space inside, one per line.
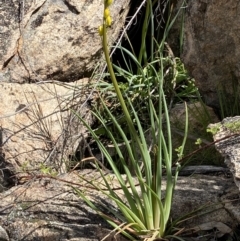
(138,87)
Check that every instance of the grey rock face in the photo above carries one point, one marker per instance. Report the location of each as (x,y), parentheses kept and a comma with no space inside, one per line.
(211,50)
(49,209)
(3,234)
(40,127)
(50,39)
(227,137)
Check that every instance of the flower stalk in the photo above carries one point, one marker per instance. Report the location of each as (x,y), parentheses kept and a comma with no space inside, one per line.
(103,32)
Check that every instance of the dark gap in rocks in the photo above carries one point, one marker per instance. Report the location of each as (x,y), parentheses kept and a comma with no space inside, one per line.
(71,7)
(36,10)
(134,32)
(5,64)
(7,177)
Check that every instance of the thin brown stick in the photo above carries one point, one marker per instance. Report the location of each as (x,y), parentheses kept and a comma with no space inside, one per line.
(205,147)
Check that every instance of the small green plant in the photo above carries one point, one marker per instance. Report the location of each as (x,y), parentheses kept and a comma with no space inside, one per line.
(198,142)
(25,166)
(214,128)
(44,169)
(144,211)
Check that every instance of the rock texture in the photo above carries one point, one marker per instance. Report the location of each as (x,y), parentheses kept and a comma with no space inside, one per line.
(49,39)
(199,117)
(227,137)
(211,46)
(40,128)
(49,209)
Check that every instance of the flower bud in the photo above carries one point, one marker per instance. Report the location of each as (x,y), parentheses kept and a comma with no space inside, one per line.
(106,13)
(100,30)
(108,21)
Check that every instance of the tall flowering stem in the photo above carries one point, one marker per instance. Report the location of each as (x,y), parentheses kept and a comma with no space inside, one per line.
(107,21)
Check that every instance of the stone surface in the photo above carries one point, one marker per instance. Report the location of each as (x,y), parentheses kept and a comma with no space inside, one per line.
(49,209)
(199,117)
(53,39)
(39,126)
(3,234)
(211,46)
(227,137)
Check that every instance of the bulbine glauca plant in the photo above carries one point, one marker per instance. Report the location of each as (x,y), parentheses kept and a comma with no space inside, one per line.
(144,211)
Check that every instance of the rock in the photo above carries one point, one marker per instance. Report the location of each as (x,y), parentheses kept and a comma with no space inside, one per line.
(40,127)
(199,117)
(49,39)
(210,49)
(227,138)
(48,208)
(3,234)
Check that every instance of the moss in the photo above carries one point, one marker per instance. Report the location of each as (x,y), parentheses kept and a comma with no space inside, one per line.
(233,126)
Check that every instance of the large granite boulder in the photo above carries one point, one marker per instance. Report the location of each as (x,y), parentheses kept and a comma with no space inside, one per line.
(47,42)
(211,50)
(46,208)
(40,128)
(49,39)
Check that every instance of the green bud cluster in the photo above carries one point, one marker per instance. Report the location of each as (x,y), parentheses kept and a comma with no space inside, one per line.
(107,16)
